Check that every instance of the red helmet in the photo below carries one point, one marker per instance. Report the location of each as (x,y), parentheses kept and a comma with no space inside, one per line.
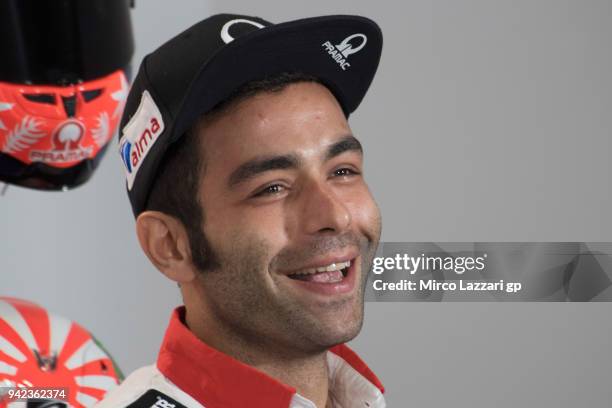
(42,351)
(63,85)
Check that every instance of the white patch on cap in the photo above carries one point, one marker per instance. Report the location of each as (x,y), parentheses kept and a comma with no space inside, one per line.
(139,135)
(225,35)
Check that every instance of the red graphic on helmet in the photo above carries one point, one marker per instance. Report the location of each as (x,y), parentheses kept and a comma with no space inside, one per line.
(60,125)
(41,349)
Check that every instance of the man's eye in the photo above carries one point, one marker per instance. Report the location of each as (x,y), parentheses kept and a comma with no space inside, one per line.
(270,190)
(345,171)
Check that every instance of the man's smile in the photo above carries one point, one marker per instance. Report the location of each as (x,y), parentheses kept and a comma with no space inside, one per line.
(331,275)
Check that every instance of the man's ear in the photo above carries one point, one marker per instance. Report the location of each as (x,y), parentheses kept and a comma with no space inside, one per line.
(164,240)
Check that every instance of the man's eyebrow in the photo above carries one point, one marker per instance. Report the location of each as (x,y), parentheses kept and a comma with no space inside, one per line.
(258,165)
(347,143)
(252,168)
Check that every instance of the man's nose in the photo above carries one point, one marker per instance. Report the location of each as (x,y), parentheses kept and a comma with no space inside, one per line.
(323,210)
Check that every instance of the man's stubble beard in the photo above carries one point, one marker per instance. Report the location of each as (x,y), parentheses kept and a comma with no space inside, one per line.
(249,313)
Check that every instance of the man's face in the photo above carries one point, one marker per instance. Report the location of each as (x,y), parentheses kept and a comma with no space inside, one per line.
(283,193)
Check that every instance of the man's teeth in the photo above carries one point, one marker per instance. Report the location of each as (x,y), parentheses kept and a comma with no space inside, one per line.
(331,267)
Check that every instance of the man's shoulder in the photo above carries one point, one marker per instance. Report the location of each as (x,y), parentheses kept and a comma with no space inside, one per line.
(147,387)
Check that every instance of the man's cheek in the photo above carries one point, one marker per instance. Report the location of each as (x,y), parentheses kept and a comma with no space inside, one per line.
(364,210)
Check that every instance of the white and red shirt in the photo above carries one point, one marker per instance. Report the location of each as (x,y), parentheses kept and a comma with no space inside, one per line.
(191,374)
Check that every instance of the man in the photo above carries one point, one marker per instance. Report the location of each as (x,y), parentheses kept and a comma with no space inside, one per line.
(248,189)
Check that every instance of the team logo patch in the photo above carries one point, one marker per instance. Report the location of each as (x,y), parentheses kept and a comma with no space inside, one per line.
(139,136)
(350,45)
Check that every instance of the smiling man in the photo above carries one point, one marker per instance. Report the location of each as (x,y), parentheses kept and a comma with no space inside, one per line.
(249,192)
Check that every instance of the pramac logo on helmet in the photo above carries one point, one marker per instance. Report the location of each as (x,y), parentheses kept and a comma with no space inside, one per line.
(350,45)
(65,145)
(225,35)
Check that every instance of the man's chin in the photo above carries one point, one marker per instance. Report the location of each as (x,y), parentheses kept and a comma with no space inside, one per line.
(336,332)
(324,343)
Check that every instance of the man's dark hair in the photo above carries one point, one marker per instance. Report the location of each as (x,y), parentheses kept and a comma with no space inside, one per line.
(175,189)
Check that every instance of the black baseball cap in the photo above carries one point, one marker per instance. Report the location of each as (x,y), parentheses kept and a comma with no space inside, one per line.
(202,66)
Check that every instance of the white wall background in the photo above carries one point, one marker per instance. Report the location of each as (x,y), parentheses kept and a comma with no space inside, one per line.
(488,121)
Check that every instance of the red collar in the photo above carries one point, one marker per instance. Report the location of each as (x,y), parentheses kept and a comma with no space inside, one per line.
(217,380)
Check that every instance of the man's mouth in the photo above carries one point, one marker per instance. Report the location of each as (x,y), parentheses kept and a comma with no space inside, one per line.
(331,273)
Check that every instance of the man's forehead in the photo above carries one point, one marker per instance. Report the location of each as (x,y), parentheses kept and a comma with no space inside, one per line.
(303,117)
(290,95)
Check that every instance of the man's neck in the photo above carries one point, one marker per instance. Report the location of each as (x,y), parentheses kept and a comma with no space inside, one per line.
(309,376)
(307,373)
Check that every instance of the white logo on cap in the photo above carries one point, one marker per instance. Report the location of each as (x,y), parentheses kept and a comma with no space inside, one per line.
(340,52)
(225,35)
(346,48)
